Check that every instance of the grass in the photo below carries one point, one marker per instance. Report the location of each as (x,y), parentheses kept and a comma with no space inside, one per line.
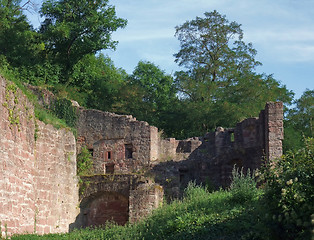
(43,114)
(199,215)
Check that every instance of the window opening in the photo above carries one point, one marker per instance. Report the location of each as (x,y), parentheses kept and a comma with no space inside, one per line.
(128,151)
(91,151)
(237,162)
(232,137)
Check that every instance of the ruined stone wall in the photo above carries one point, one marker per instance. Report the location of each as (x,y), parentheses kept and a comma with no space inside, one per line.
(273,130)
(38,184)
(177,150)
(120,198)
(210,159)
(119,143)
(247,145)
(145,196)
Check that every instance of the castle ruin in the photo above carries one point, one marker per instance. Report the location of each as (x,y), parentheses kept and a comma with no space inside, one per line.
(134,167)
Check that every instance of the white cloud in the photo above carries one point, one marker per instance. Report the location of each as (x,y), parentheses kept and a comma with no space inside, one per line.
(296,53)
(288,45)
(143,35)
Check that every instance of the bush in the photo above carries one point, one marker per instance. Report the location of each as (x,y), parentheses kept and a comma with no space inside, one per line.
(84,162)
(64,110)
(243,186)
(289,194)
(195,192)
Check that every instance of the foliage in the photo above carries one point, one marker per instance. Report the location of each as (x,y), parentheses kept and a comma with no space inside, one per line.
(84,162)
(289,194)
(149,95)
(299,122)
(98,82)
(39,74)
(18,42)
(243,186)
(75,28)
(207,54)
(64,110)
(219,82)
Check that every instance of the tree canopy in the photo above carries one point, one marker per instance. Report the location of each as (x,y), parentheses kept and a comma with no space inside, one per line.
(299,121)
(75,28)
(218,84)
(219,75)
(18,41)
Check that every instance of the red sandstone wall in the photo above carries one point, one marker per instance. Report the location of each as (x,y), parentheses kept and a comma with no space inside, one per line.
(273,130)
(96,129)
(144,199)
(38,184)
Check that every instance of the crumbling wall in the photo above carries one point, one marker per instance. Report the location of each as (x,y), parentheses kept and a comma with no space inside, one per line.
(116,140)
(177,150)
(273,130)
(210,159)
(38,184)
(120,198)
(145,196)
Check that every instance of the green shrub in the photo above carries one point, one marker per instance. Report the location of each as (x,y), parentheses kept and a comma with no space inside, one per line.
(64,110)
(195,192)
(243,186)
(44,73)
(84,162)
(289,194)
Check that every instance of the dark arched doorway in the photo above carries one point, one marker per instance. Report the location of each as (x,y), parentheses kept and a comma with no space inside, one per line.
(108,206)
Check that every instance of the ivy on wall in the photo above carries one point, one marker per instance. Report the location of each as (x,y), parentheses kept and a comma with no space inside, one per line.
(11,104)
(64,110)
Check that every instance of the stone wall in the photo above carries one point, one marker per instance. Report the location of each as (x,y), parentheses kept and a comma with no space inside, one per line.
(118,143)
(274,130)
(177,150)
(120,198)
(38,184)
(210,159)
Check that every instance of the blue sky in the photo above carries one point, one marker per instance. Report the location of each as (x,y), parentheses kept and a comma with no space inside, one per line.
(282,32)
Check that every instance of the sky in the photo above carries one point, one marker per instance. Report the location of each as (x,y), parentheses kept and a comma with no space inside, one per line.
(282,32)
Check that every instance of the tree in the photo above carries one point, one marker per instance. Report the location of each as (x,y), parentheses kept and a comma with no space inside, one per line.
(19,43)
(219,75)
(207,54)
(74,28)
(100,80)
(299,122)
(149,95)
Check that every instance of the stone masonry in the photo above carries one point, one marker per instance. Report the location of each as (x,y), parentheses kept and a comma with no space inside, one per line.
(38,183)
(134,168)
(211,158)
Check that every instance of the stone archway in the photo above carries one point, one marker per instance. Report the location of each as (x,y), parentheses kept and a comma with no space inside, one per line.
(107,206)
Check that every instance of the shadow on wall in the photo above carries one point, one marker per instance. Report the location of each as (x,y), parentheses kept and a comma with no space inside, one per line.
(118,198)
(103,198)
(103,207)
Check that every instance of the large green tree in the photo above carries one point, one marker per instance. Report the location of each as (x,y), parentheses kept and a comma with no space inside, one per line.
(299,122)
(96,82)
(219,82)
(19,43)
(149,95)
(75,28)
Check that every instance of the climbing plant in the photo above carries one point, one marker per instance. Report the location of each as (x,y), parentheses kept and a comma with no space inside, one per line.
(63,109)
